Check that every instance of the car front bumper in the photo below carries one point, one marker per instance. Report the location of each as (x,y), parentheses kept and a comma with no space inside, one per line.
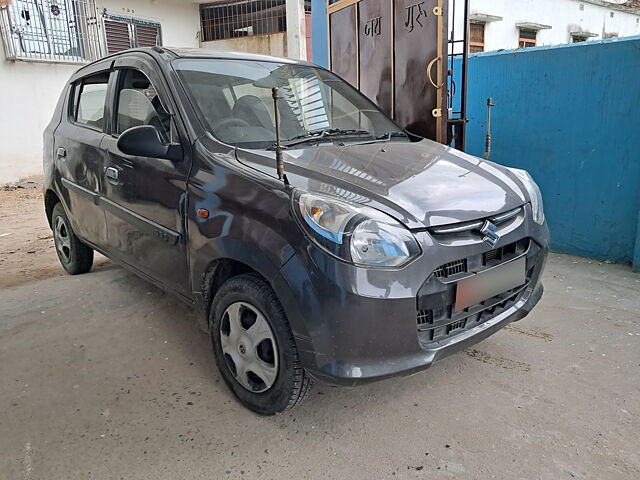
(355,325)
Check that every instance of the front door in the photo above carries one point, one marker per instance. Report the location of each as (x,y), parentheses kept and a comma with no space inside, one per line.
(145,197)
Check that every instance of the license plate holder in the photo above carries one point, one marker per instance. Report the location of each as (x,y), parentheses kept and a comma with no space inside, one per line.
(484,285)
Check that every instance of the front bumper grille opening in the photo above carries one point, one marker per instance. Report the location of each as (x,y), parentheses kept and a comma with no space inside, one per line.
(501,253)
(425,317)
(493,255)
(451,268)
(481,261)
(439,323)
(456,325)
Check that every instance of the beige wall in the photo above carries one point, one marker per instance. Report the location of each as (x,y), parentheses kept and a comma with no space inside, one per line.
(273,44)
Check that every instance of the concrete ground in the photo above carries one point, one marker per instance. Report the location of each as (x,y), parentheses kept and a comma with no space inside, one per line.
(104,376)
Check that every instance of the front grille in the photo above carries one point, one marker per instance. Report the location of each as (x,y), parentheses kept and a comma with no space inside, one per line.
(436,318)
(463,228)
(451,268)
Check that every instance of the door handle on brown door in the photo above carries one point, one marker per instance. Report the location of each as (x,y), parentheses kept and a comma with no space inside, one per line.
(113,174)
(429,68)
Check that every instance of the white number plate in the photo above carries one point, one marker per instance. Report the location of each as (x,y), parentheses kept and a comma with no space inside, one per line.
(490,283)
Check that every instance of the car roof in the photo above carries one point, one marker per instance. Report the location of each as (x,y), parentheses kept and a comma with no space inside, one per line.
(231,55)
(166,54)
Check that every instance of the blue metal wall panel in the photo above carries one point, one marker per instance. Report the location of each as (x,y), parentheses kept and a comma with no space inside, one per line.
(636,255)
(570,115)
(319,33)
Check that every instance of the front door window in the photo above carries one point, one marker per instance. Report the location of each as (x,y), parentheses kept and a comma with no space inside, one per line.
(140,104)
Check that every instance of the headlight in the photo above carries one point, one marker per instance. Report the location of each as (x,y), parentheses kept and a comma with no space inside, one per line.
(355,233)
(534,194)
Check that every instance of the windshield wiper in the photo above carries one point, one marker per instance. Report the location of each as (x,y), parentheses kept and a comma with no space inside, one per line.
(316,135)
(387,136)
(384,137)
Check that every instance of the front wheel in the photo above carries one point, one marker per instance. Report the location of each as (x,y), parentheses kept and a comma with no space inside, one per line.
(75,256)
(254,346)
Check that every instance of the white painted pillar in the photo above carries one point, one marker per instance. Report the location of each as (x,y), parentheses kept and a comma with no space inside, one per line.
(296,30)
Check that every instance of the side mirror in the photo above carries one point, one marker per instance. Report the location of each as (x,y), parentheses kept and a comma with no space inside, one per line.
(145,141)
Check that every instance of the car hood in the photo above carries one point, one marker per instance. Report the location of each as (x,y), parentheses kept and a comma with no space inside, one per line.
(421,184)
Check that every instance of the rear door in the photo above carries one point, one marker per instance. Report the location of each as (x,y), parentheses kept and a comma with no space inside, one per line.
(145,197)
(79,158)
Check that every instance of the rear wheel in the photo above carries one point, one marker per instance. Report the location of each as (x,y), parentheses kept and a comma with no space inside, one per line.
(254,346)
(75,256)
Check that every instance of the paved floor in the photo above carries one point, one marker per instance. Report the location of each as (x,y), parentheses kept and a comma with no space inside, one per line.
(103,376)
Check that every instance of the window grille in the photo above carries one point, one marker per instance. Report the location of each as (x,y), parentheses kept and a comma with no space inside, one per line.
(242,18)
(476,37)
(50,30)
(527,38)
(122,33)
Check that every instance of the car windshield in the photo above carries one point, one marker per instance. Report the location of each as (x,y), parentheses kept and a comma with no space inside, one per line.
(235,102)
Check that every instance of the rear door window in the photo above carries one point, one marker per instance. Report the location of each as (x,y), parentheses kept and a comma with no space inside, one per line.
(89,102)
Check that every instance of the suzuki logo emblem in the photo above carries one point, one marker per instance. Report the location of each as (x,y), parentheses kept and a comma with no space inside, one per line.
(490,237)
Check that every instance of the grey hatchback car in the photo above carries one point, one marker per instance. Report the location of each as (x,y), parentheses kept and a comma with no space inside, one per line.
(321,241)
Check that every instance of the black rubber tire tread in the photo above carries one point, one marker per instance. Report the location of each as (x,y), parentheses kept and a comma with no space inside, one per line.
(81,255)
(293,384)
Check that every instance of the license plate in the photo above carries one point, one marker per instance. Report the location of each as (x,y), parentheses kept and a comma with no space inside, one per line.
(490,283)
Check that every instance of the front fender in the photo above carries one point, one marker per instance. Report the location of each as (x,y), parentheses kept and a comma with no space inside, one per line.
(248,220)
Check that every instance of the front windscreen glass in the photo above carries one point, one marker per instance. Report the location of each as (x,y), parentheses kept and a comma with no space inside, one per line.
(235,102)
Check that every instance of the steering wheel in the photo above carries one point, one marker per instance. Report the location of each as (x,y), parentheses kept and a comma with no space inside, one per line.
(228,122)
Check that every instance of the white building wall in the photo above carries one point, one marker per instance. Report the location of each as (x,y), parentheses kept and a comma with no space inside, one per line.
(564,16)
(30,90)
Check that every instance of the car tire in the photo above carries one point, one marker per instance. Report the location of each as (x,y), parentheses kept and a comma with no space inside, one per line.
(75,256)
(237,319)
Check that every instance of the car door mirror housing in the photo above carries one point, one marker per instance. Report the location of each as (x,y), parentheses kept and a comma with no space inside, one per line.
(145,141)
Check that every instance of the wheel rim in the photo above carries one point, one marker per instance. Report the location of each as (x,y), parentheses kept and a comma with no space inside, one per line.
(249,347)
(62,238)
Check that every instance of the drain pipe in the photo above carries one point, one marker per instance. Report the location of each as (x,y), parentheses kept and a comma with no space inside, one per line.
(487,140)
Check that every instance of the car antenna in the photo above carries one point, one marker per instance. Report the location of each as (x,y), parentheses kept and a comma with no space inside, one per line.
(279,162)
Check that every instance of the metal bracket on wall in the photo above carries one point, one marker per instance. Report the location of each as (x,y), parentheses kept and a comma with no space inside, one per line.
(436,112)
(437,11)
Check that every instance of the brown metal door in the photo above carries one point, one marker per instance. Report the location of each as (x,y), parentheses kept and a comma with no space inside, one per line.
(394,52)
(418,68)
(344,43)
(375,22)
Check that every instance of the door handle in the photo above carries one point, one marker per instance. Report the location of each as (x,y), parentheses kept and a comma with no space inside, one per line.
(112,174)
(429,68)
(61,152)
